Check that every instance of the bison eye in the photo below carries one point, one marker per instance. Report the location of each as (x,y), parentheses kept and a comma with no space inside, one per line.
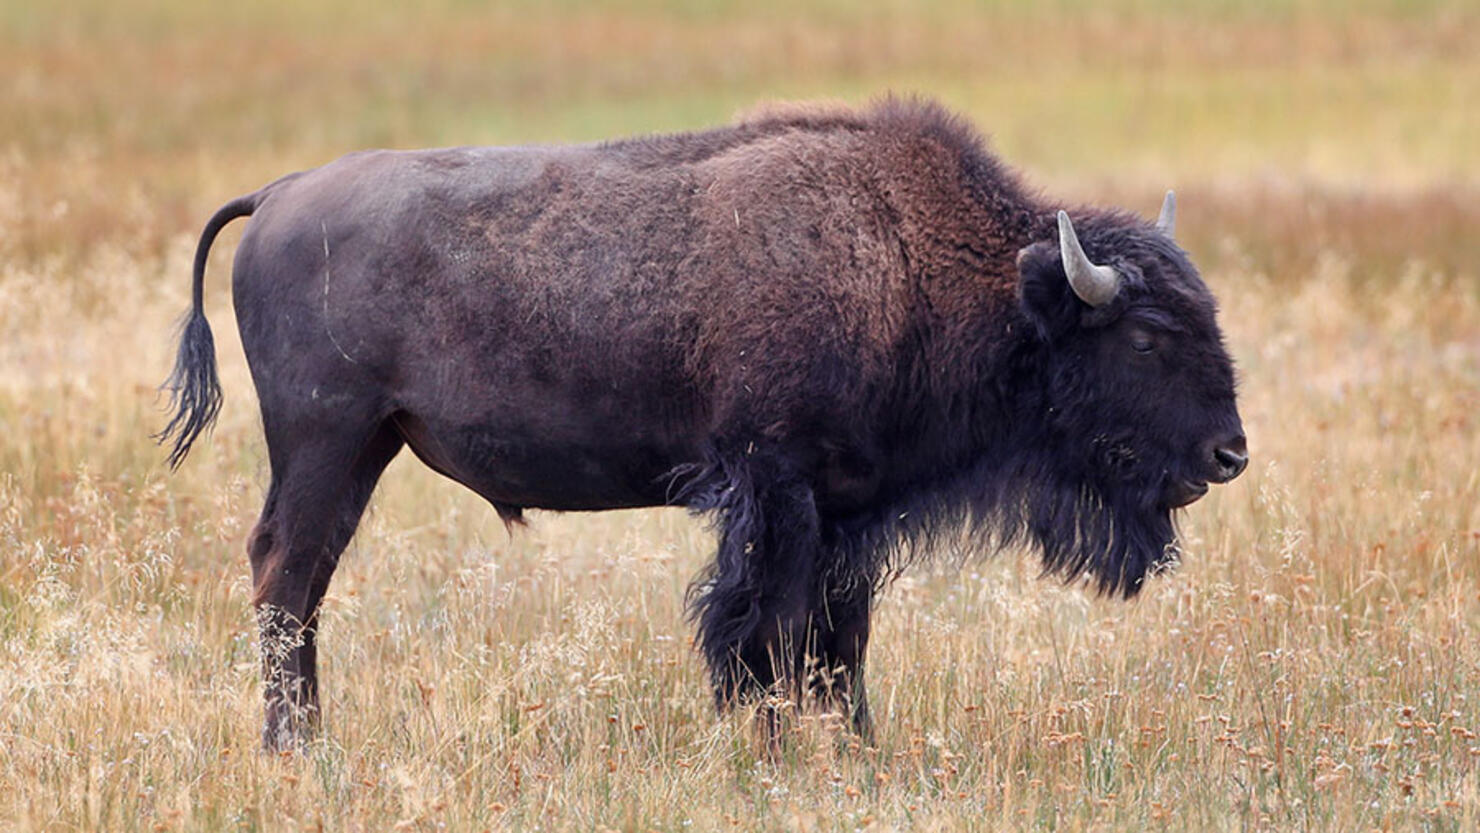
(1142,343)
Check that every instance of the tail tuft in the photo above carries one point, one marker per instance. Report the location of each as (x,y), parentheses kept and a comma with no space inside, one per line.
(195,390)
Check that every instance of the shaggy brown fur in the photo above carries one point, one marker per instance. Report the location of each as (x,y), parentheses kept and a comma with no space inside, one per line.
(814,324)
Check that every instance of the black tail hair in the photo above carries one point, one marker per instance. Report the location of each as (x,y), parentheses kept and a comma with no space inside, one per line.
(194,388)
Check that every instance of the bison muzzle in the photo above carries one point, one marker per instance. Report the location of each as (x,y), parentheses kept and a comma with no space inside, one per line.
(841,333)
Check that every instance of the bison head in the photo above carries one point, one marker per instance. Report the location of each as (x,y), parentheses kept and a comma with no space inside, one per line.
(1138,395)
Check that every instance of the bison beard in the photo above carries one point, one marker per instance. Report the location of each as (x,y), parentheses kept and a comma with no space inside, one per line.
(843,335)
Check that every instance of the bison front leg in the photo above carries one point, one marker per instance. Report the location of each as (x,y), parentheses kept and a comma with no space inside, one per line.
(842,631)
(753,606)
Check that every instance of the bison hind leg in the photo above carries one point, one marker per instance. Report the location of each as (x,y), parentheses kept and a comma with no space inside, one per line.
(322,479)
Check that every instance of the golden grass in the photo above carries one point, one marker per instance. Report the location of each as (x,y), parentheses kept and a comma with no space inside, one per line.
(1313,665)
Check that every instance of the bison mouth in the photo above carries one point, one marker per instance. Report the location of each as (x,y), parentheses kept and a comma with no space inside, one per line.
(1180,493)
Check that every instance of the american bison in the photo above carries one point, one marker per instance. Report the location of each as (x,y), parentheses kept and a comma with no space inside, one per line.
(840,332)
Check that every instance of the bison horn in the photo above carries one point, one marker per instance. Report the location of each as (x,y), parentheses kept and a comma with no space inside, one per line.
(1095,285)
(1166,222)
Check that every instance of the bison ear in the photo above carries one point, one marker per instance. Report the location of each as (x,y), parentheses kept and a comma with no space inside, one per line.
(1044,292)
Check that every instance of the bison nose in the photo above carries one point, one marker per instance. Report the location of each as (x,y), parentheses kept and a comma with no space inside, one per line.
(1230,458)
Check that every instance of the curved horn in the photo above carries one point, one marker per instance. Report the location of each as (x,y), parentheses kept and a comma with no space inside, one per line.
(1166,222)
(1095,285)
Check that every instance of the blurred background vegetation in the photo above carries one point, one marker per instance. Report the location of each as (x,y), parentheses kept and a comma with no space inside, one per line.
(132,120)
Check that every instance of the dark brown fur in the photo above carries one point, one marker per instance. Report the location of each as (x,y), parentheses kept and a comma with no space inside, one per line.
(812,324)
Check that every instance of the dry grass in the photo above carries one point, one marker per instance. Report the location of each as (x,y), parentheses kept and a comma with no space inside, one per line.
(1314,664)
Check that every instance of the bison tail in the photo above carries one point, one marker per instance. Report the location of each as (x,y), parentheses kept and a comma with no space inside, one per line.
(193,386)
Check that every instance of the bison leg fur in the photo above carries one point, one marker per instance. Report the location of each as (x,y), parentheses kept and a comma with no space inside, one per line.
(753,603)
(842,631)
(318,492)
(774,622)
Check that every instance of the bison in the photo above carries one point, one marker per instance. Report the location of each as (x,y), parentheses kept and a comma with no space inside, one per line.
(839,332)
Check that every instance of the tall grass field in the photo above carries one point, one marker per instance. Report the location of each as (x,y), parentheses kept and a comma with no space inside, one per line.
(1314,664)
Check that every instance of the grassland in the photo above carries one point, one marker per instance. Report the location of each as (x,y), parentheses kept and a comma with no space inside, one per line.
(1314,665)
